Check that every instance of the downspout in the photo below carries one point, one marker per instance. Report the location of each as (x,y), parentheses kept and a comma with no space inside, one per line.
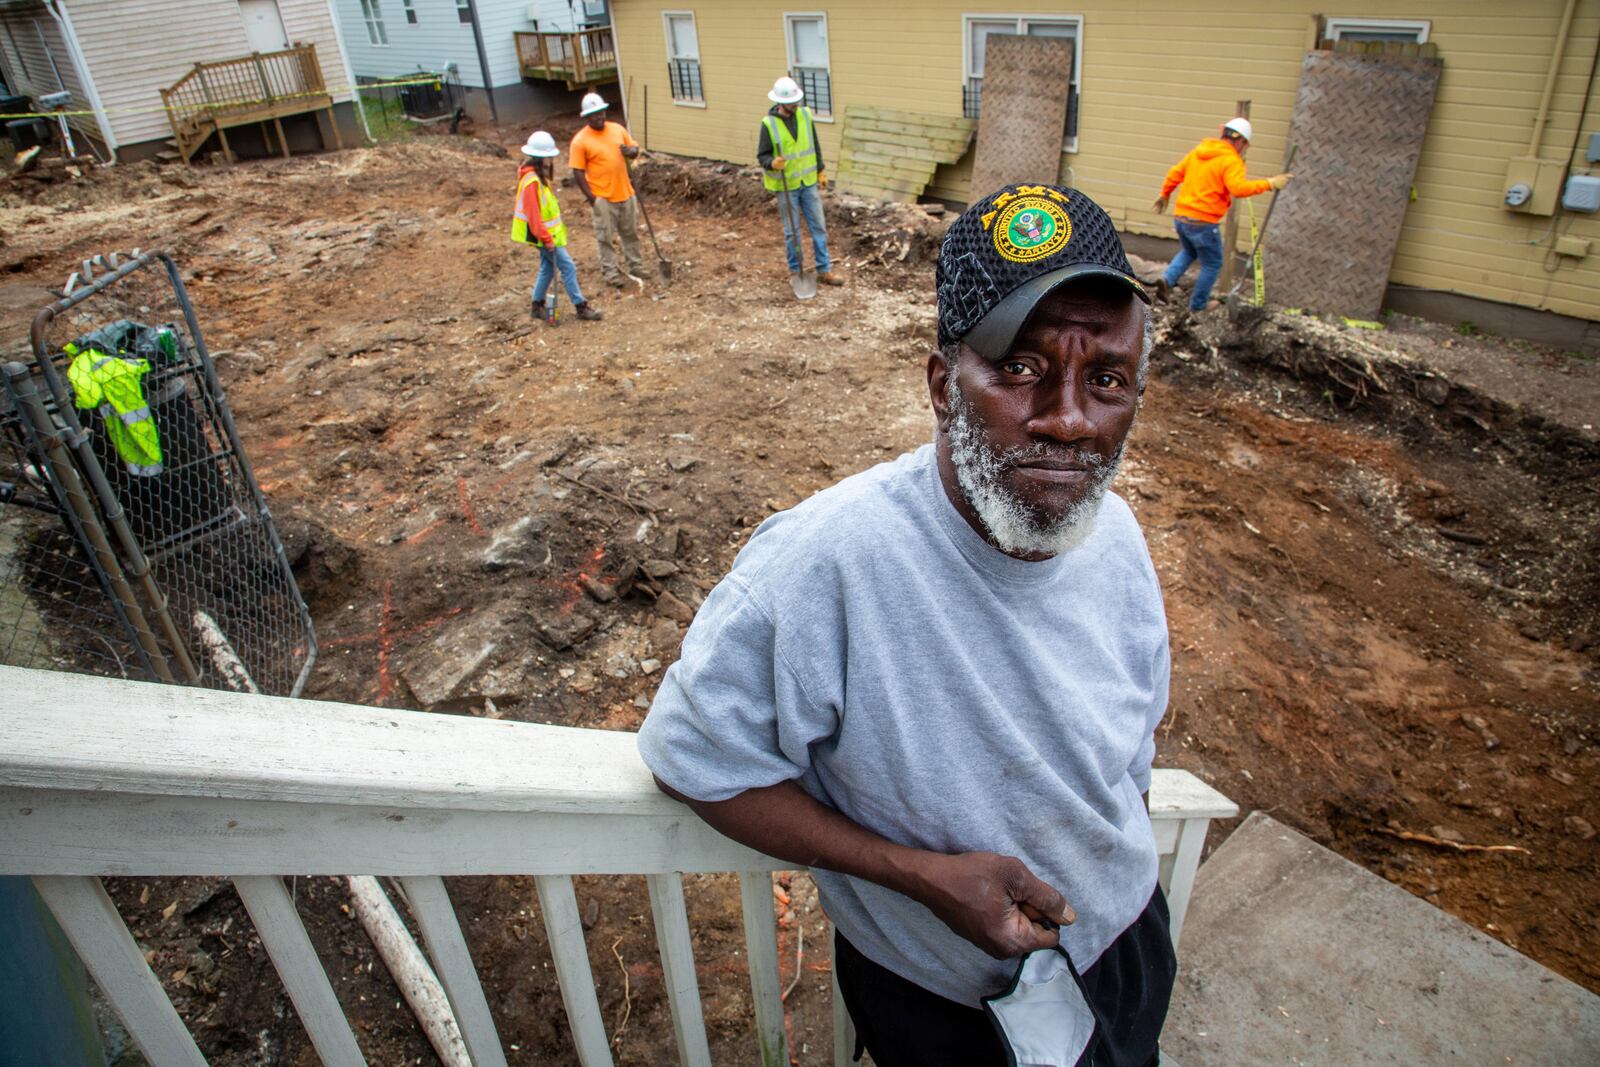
(483,59)
(1550,78)
(349,72)
(75,50)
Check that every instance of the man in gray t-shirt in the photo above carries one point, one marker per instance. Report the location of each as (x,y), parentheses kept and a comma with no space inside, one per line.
(937,682)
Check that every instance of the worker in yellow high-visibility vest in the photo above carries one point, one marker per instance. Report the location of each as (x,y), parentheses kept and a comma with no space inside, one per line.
(790,156)
(536,219)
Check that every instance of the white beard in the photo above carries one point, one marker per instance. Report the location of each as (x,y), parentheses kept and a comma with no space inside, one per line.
(1014,526)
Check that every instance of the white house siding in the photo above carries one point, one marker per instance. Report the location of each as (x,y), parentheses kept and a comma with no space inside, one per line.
(439,36)
(135,51)
(27,62)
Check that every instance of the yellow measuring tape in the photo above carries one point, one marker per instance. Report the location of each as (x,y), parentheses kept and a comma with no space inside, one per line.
(222,105)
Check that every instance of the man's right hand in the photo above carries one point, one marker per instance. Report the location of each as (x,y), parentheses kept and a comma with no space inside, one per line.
(778,163)
(994,901)
(1278,181)
(1160,205)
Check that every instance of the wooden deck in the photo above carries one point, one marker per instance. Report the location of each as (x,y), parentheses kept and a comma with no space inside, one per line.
(582,60)
(261,88)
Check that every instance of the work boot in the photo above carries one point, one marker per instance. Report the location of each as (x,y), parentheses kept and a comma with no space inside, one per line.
(615,281)
(587,312)
(1162,288)
(830,278)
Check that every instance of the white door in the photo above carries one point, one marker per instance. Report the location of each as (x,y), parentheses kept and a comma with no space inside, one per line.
(263,26)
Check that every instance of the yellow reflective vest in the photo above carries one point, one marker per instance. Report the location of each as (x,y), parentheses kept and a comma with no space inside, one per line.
(799,151)
(115,385)
(549,213)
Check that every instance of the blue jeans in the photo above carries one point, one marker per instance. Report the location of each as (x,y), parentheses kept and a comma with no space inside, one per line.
(551,260)
(805,201)
(1202,241)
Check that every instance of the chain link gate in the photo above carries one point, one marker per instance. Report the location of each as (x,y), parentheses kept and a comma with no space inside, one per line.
(133,536)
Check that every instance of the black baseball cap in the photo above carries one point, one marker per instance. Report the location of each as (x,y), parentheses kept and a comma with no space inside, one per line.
(1010,250)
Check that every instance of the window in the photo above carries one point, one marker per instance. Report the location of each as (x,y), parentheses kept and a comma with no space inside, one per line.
(683,58)
(411,11)
(464,12)
(1406,31)
(374,17)
(979,28)
(807,39)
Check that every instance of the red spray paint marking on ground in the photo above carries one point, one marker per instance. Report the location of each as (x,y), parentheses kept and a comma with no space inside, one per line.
(423,533)
(466,506)
(572,585)
(385,646)
(410,631)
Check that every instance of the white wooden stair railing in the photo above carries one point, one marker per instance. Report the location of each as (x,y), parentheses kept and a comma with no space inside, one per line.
(108,777)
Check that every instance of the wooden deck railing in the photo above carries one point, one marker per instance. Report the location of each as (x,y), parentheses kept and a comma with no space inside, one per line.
(587,57)
(107,777)
(260,87)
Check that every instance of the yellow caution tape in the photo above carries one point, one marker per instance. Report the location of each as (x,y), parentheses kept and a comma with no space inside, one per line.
(224,105)
(1362,324)
(1255,259)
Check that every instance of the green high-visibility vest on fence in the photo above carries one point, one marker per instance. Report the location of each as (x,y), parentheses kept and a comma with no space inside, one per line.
(115,385)
(799,152)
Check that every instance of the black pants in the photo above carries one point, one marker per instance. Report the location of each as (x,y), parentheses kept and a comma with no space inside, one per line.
(904,1025)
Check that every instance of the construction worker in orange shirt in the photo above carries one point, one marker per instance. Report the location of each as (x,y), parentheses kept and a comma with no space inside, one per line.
(598,159)
(1212,175)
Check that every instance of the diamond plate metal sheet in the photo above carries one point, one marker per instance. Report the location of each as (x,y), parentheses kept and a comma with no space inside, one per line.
(1359,122)
(1024,111)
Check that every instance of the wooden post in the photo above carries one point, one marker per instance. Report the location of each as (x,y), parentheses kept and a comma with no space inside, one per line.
(1230,226)
(283,142)
(261,76)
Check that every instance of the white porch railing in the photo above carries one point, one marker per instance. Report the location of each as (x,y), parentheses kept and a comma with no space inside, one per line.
(107,777)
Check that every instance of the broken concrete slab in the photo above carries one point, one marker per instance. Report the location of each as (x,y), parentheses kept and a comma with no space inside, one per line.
(439,671)
(1293,954)
(563,629)
(518,544)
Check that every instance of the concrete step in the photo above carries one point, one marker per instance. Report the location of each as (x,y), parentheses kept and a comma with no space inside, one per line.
(1292,954)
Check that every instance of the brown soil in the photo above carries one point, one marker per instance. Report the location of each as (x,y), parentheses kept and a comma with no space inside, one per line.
(1382,582)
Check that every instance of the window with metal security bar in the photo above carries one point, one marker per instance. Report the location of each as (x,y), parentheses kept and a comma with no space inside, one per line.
(411,12)
(463,12)
(683,58)
(976,31)
(806,37)
(373,15)
(1403,31)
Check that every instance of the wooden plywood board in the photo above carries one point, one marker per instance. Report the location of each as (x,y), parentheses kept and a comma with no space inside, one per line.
(1358,126)
(1023,113)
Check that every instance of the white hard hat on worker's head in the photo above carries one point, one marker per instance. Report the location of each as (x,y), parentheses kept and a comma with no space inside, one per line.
(1238,126)
(785,91)
(542,145)
(592,102)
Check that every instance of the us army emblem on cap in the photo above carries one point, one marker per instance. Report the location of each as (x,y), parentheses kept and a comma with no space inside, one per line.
(1031,227)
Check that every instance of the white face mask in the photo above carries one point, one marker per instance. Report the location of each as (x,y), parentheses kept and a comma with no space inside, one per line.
(1044,1016)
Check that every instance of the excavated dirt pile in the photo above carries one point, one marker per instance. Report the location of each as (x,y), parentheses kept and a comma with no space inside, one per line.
(1380,575)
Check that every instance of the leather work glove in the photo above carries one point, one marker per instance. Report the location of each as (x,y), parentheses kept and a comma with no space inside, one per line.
(1278,181)
(1160,205)
(822,178)
(778,163)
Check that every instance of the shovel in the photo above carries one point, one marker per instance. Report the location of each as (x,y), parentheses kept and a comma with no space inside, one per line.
(1261,235)
(802,281)
(663,264)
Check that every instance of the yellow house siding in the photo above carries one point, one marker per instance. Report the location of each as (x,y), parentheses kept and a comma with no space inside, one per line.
(1157,75)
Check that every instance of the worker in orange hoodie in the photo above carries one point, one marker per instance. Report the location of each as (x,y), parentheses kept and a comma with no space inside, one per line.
(1212,174)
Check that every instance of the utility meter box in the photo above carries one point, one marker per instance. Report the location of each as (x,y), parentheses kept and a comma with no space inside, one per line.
(1534,184)
(1583,193)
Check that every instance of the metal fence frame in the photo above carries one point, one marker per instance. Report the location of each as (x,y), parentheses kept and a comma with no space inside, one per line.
(95,514)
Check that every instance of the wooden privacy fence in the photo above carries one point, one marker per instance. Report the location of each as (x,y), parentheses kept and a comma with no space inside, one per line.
(580,59)
(258,88)
(108,777)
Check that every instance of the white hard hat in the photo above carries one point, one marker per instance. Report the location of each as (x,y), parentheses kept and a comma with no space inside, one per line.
(785,91)
(1238,126)
(592,102)
(541,144)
